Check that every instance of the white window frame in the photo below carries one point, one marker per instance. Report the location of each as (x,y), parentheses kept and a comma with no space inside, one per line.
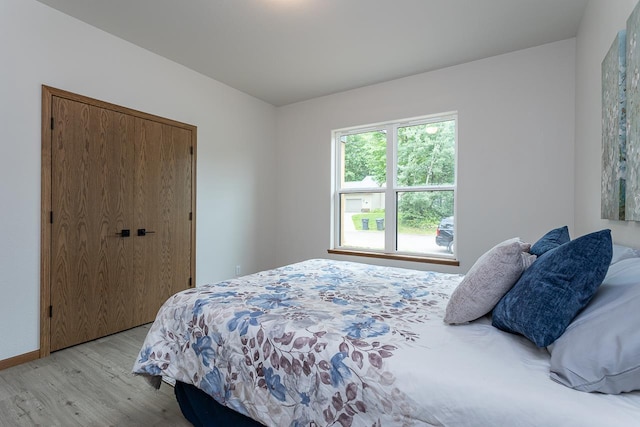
(392,189)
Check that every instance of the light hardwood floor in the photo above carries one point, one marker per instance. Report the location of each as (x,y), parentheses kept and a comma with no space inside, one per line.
(87,385)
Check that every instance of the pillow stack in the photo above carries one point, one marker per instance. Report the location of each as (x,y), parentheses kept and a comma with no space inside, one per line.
(580,299)
(556,287)
(488,280)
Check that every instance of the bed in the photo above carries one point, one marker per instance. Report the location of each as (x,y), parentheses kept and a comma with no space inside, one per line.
(333,343)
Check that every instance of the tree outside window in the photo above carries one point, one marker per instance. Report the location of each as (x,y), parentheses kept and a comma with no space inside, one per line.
(395,185)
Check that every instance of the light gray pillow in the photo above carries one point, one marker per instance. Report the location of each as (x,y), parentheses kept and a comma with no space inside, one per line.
(600,349)
(493,274)
(623,252)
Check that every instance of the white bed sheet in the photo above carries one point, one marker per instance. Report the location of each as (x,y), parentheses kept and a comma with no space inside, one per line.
(486,377)
(466,375)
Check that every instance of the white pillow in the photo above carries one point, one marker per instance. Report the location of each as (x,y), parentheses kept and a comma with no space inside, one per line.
(493,274)
(623,252)
(599,351)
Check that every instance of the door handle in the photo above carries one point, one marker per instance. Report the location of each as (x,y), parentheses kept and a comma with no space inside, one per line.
(124,233)
(144,232)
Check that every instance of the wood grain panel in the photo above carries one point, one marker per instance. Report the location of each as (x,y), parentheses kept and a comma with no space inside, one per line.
(181,197)
(115,180)
(69,199)
(147,279)
(163,203)
(92,202)
(45,226)
(106,168)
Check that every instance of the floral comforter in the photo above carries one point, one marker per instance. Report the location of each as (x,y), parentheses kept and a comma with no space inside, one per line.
(314,343)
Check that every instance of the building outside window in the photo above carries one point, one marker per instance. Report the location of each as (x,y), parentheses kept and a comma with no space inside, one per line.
(394,187)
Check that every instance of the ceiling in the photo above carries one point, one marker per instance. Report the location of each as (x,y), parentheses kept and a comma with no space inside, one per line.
(285,51)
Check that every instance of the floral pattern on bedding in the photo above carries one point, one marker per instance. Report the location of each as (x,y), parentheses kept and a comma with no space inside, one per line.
(312,343)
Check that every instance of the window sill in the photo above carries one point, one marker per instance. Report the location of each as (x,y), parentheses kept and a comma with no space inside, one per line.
(412,258)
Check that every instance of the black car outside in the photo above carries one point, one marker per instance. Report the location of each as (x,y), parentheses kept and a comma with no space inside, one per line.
(444,233)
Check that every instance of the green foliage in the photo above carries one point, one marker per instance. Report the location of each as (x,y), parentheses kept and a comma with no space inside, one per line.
(424,209)
(426,154)
(423,227)
(426,157)
(365,154)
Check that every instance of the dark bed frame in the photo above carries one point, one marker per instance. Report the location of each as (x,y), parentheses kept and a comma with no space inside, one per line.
(202,410)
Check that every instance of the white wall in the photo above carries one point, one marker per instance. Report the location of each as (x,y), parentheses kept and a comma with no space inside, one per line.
(516,146)
(515,158)
(601,22)
(236,149)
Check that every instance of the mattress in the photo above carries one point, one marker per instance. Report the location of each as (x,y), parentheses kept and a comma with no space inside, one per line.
(326,342)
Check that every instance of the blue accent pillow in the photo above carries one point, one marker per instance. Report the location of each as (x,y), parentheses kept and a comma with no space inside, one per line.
(551,240)
(551,292)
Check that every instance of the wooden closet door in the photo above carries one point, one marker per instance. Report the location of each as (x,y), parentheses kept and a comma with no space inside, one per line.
(106,169)
(163,181)
(92,201)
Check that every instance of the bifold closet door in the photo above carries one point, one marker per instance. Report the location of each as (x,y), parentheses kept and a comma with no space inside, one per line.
(163,180)
(121,230)
(118,233)
(92,202)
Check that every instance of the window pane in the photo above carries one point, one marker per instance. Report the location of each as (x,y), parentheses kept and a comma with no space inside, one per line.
(362,220)
(426,154)
(425,222)
(364,159)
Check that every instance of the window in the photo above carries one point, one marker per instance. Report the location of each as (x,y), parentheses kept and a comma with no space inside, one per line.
(394,188)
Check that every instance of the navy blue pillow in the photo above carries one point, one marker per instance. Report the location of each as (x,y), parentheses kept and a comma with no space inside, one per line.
(551,292)
(551,240)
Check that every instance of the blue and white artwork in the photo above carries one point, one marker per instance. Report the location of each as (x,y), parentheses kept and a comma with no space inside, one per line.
(614,130)
(632,198)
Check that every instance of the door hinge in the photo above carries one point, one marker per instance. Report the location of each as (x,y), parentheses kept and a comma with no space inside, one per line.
(50,311)
(51,123)
(191,150)
(190,284)
(51,217)
(190,216)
